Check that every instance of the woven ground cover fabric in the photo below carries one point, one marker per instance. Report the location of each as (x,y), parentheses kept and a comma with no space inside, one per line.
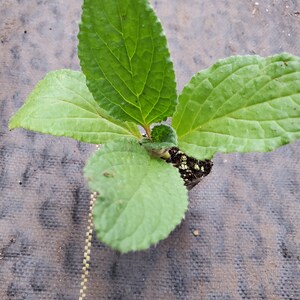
(246,212)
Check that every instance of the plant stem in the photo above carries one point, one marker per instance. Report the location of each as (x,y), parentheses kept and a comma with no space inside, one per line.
(165,155)
(148,131)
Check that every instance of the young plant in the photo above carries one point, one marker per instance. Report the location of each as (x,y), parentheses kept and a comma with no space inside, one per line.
(240,104)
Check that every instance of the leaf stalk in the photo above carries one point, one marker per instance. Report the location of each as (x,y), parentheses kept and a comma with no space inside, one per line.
(148,131)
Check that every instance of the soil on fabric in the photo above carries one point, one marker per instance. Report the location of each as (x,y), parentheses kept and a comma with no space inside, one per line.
(191,169)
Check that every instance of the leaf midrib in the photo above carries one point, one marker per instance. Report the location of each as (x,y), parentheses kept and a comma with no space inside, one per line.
(129,200)
(134,93)
(130,72)
(97,114)
(130,63)
(244,107)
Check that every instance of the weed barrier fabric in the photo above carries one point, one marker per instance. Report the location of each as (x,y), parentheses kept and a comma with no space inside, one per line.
(240,238)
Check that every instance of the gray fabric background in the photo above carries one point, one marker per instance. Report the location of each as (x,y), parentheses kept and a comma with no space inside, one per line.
(246,211)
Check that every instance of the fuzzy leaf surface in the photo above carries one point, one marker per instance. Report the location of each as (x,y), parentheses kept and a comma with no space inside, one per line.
(141,198)
(123,53)
(240,104)
(163,137)
(62,105)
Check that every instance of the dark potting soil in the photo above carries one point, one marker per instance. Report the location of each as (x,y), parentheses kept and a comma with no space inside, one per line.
(191,169)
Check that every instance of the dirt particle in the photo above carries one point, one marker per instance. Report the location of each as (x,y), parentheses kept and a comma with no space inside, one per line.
(196,232)
(107,174)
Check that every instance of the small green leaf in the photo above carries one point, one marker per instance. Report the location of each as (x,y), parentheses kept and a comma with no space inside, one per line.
(141,198)
(164,134)
(62,105)
(163,137)
(240,104)
(124,55)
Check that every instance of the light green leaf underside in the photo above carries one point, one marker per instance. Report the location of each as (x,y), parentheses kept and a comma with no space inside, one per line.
(62,105)
(240,104)
(141,199)
(124,55)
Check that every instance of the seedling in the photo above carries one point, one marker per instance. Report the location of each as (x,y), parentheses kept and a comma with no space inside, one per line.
(240,104)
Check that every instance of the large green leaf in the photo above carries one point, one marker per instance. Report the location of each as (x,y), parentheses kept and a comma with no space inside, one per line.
(62,105)
(124,55)
(240,104)
(141,198)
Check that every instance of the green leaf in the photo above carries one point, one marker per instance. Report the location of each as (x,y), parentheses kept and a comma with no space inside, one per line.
(124,55)
(62,105)
(240,104)
(163,137)
(141,198)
